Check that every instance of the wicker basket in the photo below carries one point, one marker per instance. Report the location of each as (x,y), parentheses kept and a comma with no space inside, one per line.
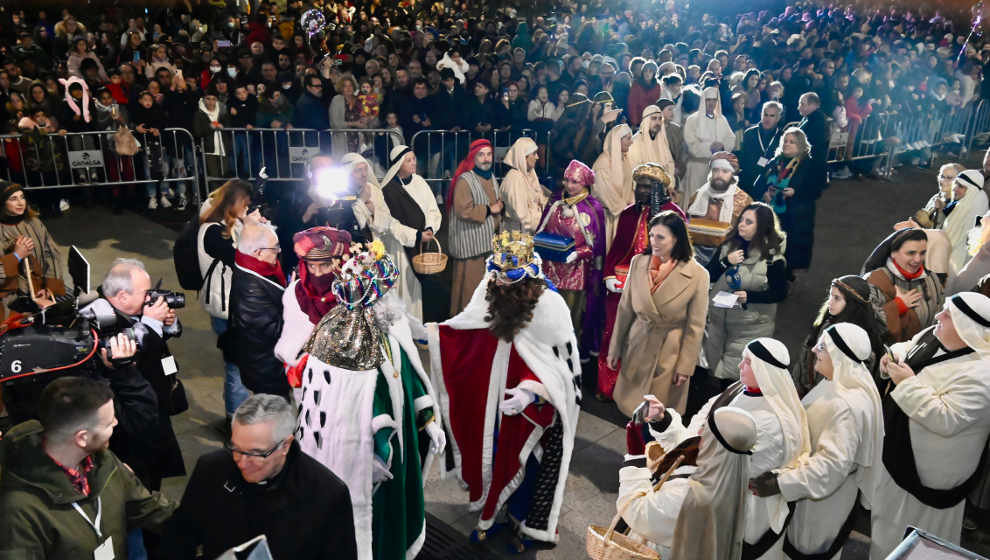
(603,543)
(429,263)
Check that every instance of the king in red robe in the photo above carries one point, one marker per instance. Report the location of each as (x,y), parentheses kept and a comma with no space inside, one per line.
(509,388)
(631,238)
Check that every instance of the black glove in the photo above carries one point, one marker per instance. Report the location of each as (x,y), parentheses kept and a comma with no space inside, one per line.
(765,485)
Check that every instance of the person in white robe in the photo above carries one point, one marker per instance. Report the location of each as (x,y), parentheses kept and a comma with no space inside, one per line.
(845,420)
(613,185)
(706,131)
(415,219)
(700,510)
(766,391)
(651,144)
(937,419)
(369,209)
(969,202)
(525,197)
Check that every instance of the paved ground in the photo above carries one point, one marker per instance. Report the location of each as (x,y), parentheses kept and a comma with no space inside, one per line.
(852,216)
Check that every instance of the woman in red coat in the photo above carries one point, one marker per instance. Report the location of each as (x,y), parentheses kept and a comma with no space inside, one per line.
(644,91)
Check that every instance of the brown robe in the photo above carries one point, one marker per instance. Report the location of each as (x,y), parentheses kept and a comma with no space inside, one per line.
(467,273)
(658,334)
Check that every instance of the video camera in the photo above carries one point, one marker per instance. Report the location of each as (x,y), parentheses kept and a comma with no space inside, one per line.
(70,332)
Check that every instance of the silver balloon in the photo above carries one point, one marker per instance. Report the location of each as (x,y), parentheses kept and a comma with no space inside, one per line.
(312,22)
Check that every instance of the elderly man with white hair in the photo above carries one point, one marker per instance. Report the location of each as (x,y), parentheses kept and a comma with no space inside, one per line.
(705,132)
(256,290)
(766,391)
(937,417)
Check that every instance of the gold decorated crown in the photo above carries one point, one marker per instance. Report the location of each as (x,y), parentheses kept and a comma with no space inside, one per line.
(512,250)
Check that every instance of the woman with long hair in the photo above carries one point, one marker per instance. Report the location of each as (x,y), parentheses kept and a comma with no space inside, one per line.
(750,264)
(848,301)
(221,220)
(660,320)
(789,189)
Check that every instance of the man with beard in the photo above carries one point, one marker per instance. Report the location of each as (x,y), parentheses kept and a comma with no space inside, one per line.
(659,140)
(759,143)
(705,133)
(475,205)
(64,461)
(652,191)
(719,200)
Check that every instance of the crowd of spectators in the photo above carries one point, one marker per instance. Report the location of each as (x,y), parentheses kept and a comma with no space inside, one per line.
(428,66)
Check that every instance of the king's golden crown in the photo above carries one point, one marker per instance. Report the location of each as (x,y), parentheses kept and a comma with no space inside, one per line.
(512,249)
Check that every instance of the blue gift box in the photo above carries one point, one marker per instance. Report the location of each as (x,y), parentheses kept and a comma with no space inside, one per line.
(552,247)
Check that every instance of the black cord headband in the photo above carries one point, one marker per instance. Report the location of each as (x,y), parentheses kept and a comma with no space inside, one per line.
(761,352)
(718,435)
(961,304)
(833,333)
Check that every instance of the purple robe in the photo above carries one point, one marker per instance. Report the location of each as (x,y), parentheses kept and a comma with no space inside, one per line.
(592,260)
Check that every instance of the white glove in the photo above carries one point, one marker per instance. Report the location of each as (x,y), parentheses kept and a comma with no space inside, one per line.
(380,472)
(517,400)
(571,257)
(438,440)
(612,285)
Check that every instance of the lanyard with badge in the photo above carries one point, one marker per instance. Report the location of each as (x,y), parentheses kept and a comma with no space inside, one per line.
(105,550)
(763,161)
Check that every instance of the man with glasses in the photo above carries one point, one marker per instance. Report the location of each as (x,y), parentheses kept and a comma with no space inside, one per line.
(264,484)
(311,111)
(255,312)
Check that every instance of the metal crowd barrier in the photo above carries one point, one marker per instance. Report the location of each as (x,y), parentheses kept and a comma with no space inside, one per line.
(45,160)
(284,152)
(440,151)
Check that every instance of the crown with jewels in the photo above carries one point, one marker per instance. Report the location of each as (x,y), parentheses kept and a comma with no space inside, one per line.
(513,257)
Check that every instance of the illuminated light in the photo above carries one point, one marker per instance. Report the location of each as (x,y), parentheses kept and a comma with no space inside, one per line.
(332,184)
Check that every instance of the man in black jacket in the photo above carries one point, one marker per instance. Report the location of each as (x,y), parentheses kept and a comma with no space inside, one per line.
(758,145)
(256,311)
(264,484)
(813,125)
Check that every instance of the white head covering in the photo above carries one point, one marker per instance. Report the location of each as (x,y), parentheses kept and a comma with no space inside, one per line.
(516,159)
(970,314)
(353,159)
(711,92)
(849,346)
(769,360)
(395,158)
(458,69)
(613,185)
(712,521)
(650,110)
(963,217)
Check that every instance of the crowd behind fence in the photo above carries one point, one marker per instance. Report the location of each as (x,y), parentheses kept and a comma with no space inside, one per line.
(41,160)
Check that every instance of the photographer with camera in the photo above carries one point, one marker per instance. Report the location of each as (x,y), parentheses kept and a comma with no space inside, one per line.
(126,294)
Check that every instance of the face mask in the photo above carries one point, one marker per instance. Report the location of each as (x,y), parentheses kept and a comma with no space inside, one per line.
(232,72)
(286,86)
(214,69)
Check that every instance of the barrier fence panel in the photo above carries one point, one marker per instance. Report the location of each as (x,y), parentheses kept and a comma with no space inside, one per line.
(440,151)
(38,159)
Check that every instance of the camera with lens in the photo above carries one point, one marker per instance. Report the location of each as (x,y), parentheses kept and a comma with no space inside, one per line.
(174,300)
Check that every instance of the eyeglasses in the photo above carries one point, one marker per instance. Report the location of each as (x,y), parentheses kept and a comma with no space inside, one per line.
(276,249)
(820,347)
(945,177)
(316,86)
(229,446)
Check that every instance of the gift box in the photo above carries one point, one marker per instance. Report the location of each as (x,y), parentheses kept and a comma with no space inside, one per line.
(708,232)
(552,247)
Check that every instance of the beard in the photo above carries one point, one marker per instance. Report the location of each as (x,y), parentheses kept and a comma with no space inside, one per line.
(719,185)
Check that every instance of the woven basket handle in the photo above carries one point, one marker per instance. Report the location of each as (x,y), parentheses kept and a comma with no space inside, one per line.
(423,244)
(625,505)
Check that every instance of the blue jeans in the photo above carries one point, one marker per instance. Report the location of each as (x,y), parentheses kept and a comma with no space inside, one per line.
(234,392)
(135,545)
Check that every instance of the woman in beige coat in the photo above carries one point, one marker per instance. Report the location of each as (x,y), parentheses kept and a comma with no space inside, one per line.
(661,319)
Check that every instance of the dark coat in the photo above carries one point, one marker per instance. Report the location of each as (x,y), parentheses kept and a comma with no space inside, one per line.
(305,511)
(202,130)
(798,221)
(816,130)
(311,112)
(36,498)
(255,326)
(751,153)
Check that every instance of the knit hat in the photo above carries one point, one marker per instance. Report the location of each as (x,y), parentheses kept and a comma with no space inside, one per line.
(7,190)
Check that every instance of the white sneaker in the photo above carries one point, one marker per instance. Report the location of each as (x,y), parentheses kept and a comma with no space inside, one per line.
(64,205)
(182,203)
(152,203)
(165,203)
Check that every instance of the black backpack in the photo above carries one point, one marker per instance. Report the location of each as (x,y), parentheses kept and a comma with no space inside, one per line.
(185,256)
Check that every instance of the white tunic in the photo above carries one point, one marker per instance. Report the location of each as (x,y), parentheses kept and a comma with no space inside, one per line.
(296,327)
(653,516)
(700,132)
(948,404)
(823,483)
(768,454)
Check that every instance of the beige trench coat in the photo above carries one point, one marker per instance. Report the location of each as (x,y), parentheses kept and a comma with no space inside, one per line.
(658,334)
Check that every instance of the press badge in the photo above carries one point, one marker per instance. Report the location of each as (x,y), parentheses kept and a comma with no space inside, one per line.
(168,365)
(762,162)
(104,551)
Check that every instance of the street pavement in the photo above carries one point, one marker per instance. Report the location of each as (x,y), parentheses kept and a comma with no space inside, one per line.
(852,217)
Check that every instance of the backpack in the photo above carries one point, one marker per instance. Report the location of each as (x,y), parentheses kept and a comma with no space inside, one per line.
(185,257)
